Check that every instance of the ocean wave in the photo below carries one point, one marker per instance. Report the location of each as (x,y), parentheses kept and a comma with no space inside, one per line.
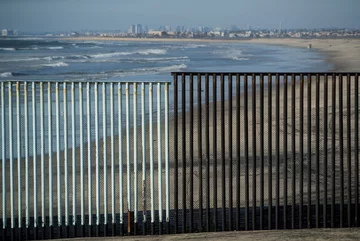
(58,64)
(164,59)
(152,51)
(141,52)
(234,54)
(54,48)
(6,75)
(239,59)
(33,48)
(72,57)
(126,73)
(8,49)
(19,60)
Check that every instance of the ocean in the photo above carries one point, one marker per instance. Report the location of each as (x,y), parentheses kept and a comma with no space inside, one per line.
(51,59)
(55,60)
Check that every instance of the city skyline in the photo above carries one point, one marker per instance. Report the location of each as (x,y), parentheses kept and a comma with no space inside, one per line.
(37,16)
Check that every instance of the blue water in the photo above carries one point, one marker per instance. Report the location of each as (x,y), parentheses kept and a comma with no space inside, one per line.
(49,59)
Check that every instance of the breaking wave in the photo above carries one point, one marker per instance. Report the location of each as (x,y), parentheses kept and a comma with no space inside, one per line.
(54,48)
(8,49)
(59,64)
(141,52)
(6,75)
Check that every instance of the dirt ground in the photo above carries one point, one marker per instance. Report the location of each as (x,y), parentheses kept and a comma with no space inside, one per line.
(306,234)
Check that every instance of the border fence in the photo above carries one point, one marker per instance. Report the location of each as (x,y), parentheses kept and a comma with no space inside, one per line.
(204,152)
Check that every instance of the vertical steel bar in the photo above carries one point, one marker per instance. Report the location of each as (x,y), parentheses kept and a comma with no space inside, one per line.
(301,147)
(73,135)
(42,151)
(112,146)
(143,145)
(333,150)
(214,154)
(325,163)
(51,182)
(88,123)
(223,184)
(230,123)
(317,150)
(66,158)
(253,151)
(293,133)
(277,146)
(191,153)
(270,171)
(183,109)
(97,158)
(200,153)
(73,157)
(207,144)
(261,152)
(81,139)
(26,139)
(59,184)
(121,172)
(348,138)
(159,137)
(35,177)
(176,147)
(104,113)
(151,139)
(285,114)
(167,160)
(309,151)
(356,143)
(341,151)
(65,150)
(237,152)
(246,150)
(65,154)
(135,144)
(3,155)
(128,149)
(11,160)
(19,157)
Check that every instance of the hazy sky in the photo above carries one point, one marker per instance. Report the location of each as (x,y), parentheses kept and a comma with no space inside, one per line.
(55,15)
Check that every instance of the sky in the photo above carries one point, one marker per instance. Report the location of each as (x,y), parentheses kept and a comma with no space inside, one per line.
(74,15)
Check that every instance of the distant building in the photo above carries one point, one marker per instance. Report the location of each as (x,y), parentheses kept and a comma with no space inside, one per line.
(132,29)
(138,29)
(145,29)
(4,32)
(156,33)
(180,29)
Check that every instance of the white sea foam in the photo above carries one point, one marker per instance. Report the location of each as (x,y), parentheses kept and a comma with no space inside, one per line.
(19,60)
(5,75)
(154,70)
(141,52)
(235,54)
(54,48)
(152,51)
(8,49)
(58,64)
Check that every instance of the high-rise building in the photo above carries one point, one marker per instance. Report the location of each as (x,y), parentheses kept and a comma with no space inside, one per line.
(4,32)
(132,29)
(138,29)
(145,29)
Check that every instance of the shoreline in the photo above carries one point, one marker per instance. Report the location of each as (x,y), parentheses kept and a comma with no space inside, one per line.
(341,53)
